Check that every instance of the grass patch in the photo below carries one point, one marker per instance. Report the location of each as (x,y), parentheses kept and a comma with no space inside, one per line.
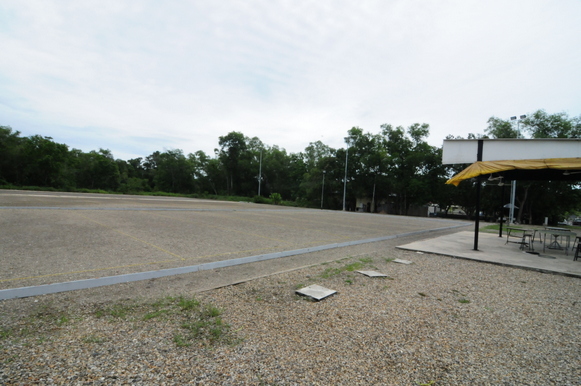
(492,228)
(5,333)
(188,304)
(155,314)
(463,301)
(180,341)
(205,326)
(354,266)
(189,321)
(118,311)
(94,339)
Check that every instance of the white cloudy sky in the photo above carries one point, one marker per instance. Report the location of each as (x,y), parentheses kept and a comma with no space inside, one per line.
(143,75)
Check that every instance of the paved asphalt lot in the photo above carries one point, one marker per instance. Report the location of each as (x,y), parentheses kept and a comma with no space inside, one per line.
(51,237)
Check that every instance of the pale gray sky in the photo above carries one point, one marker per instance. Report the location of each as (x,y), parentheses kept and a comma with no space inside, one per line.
(141,76)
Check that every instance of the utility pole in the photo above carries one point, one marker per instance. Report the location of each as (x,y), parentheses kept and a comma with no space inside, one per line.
(259,172)
(513,183)
(345,180)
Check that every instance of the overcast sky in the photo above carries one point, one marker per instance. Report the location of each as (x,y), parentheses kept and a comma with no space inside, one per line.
(139,76)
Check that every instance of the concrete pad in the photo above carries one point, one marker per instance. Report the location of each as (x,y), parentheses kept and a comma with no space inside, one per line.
(372,273)
(401,261)
(316,292)
(493,249)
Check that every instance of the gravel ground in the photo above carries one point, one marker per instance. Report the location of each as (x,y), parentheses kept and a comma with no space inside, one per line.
(438,321)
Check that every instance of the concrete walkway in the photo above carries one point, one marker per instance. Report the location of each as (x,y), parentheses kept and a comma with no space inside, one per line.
(493,249)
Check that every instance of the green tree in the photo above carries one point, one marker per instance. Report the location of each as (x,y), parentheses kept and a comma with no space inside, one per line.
(44,162)
(232,151)
(97,170)
(540,124)
(174,172)
(11,157)
(409,161)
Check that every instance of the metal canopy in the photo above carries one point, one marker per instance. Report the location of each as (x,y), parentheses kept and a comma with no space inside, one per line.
(481,150)
(554,169)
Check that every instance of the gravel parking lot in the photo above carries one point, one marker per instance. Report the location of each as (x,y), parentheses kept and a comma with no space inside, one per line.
(55,237)
(437,321)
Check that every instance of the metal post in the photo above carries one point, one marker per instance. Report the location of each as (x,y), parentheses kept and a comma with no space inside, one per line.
(501,210)
(260,172)
(323,188)
(512,195)
(345,180)
(479,183)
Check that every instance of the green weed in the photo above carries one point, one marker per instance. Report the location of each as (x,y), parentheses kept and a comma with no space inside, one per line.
(62,320)
(155,314)
(93,339)
(355,266)
(180,341)
(5,333)
(188,304)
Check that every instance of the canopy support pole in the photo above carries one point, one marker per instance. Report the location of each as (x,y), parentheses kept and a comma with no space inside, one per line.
(501,210)
(478,183)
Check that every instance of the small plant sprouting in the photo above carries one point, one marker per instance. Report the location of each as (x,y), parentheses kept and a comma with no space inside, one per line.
(464,301)
(62,320)
(349,281)
(180,341)
(430,383)
(276,198)
(154,314)
(93,339)
(188,304)
(5,333)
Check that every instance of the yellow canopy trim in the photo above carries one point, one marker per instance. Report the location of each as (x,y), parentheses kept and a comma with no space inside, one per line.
(488,167)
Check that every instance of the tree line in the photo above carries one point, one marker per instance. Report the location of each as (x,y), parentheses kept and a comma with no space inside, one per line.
(394,170)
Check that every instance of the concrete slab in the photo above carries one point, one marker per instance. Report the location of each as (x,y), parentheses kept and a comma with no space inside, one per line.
(316,292)
(493,249)
(402,261)
(372,273)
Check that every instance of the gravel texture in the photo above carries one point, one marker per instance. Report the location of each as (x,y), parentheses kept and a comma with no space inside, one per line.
(439,321)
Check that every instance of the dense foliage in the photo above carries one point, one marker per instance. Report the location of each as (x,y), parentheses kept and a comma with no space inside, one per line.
(392,171)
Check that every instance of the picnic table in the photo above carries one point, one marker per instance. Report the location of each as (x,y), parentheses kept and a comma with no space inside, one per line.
(554,234)
(526,237)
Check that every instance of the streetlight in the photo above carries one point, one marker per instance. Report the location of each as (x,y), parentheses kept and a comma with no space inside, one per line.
(345,180)
(260,172)
(323,188)
(513,182)
(518,119)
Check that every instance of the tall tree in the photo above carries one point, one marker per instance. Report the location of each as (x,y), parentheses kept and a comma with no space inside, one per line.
(175,172)
(231,154)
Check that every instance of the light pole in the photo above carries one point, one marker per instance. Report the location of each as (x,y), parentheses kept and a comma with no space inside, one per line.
(514,118)
(513,182)
(260,172)
(345,180)
(323,188)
